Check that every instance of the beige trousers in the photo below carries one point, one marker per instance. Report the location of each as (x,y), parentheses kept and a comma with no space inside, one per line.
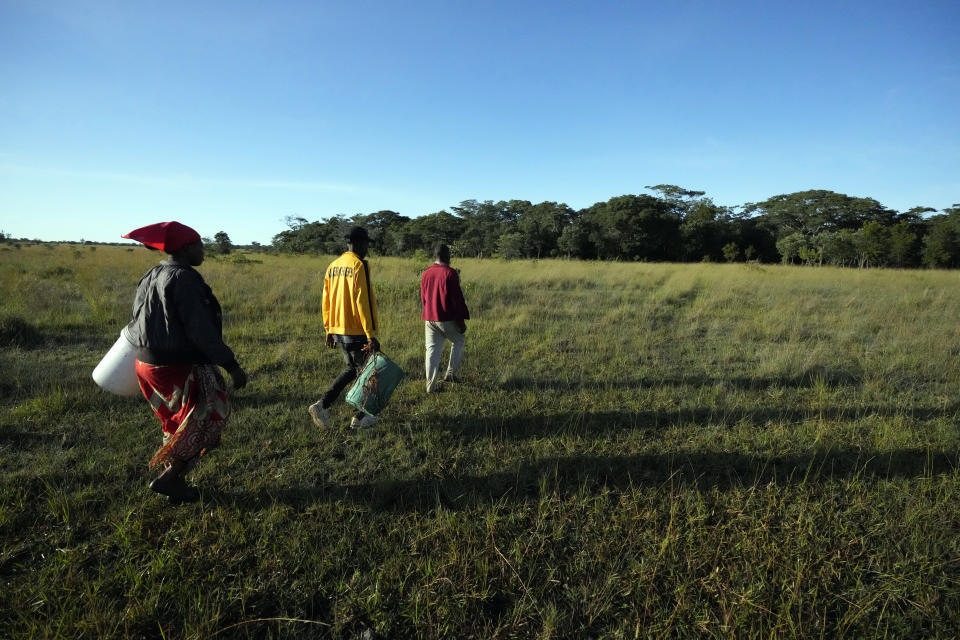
(435,335)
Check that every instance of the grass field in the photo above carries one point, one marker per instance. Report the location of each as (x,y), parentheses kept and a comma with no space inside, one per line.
(636,450)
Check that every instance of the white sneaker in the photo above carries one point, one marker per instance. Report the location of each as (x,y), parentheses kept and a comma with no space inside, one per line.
(321,417)
(363,423)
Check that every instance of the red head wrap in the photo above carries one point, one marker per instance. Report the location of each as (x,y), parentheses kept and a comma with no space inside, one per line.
(165,236)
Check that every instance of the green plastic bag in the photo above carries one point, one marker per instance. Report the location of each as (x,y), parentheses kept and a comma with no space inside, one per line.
(372,389)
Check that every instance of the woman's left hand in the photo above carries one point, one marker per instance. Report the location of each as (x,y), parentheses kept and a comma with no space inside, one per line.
(239,377)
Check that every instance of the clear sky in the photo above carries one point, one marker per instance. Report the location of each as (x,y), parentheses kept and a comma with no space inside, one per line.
(229,115)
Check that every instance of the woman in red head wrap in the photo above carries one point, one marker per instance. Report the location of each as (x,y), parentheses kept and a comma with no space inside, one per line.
(177,330)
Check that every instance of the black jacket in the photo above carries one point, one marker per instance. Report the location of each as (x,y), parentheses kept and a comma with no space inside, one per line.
(177,319)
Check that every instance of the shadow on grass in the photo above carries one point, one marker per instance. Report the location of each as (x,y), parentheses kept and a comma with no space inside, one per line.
(568,476)
(817,375)
(251,398)
(23,439)
(594,424)
(17,332)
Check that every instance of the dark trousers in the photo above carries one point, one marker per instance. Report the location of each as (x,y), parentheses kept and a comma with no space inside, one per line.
(353,358)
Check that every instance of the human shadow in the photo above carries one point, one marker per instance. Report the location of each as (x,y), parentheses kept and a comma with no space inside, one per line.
(564,477)
(251,398)
(807,379)
(24,439)
(535,425)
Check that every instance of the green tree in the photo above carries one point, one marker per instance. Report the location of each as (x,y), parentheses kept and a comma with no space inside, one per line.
(789,247)
(731,252)
(837,248)
(400,239)
(873,244)
(425,231)
(318,237)
(915,214)
(810,212)
(904,245)
(634,227)
(680,199)
(484,222)
(379,226)
(942,243)
(748,232)
(706,227)
(705,231)
(810,255)
(541,226)
(574,241)
(221,243)
(511,246)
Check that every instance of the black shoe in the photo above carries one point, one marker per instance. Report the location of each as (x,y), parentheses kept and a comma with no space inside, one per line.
(177,491)
(163,486)
(187,494)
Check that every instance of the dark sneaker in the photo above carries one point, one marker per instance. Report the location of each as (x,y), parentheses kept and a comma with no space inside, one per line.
(189,494)
(177,491)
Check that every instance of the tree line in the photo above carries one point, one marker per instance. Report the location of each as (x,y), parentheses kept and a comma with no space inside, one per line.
(677,225)
(674,224)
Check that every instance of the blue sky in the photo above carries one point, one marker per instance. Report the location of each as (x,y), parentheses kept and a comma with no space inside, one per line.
(231,115)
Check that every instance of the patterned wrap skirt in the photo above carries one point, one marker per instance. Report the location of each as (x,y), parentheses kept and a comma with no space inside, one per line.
(191,402)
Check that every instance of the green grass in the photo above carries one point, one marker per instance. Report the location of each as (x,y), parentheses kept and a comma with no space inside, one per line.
(637,450)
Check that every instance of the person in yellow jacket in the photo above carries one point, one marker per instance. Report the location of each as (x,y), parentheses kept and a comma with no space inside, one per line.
(350,321)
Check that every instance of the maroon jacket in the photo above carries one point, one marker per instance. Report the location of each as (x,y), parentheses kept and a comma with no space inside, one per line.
(441,295)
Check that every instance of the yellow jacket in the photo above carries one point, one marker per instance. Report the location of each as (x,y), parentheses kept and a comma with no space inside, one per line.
(349,307)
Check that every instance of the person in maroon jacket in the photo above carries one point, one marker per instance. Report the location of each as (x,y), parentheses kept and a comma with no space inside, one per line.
(444,313)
